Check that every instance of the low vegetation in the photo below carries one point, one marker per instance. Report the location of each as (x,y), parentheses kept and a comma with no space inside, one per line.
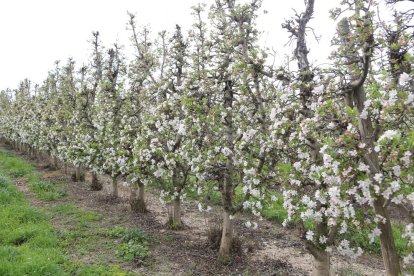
(23,171)
(30,245)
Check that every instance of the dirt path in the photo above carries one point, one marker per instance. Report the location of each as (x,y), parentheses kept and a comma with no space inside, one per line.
(269,250)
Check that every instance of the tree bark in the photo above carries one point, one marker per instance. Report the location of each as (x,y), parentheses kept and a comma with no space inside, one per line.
(226,238)
(39,156)
(137,198)
(79,175)
(95,184)
(52,162)
(114,186)
(30,152)
(321,264)
(388,250)
(227,188)
(34,153)
(174,214)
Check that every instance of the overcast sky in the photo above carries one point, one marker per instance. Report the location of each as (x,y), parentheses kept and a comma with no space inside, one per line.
(36,33)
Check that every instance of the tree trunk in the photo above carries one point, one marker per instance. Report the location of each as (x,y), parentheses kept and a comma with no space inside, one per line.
(52,161)
(95,184)
(137,198)
(388,250)
(79,174)
(174,214)
(321,264)
(38,154)
(357,96)
(226,238)
(55,163)
(33,153)
(227,187)
(114,186)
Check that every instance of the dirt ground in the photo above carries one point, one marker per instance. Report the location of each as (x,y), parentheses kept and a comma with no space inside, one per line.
(269,250)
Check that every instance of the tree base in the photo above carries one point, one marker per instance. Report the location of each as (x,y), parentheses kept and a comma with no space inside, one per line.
(95,184)
(321,264)
(138,206)
(174,225)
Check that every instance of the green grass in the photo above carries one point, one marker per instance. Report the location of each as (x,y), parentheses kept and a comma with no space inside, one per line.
(29,245)
(76,214)
(83,235)
(360,239)
(80,269)
(275,210)
(46,190)
(16,167)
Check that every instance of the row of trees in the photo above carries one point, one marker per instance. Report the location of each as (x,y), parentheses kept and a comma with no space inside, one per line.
(207,111)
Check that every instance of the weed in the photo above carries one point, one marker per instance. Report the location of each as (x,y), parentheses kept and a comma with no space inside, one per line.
(134,243)
(80,269)
(46,190)
(347,271)
(116,232)
(133,251)
(136,235)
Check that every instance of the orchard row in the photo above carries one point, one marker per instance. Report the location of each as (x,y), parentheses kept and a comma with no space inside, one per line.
(208,112)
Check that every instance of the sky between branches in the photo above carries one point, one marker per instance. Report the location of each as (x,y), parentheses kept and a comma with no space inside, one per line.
(34,34)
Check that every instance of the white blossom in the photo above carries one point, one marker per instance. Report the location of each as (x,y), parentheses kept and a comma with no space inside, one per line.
(374,233)
(404,78)
(309,235)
